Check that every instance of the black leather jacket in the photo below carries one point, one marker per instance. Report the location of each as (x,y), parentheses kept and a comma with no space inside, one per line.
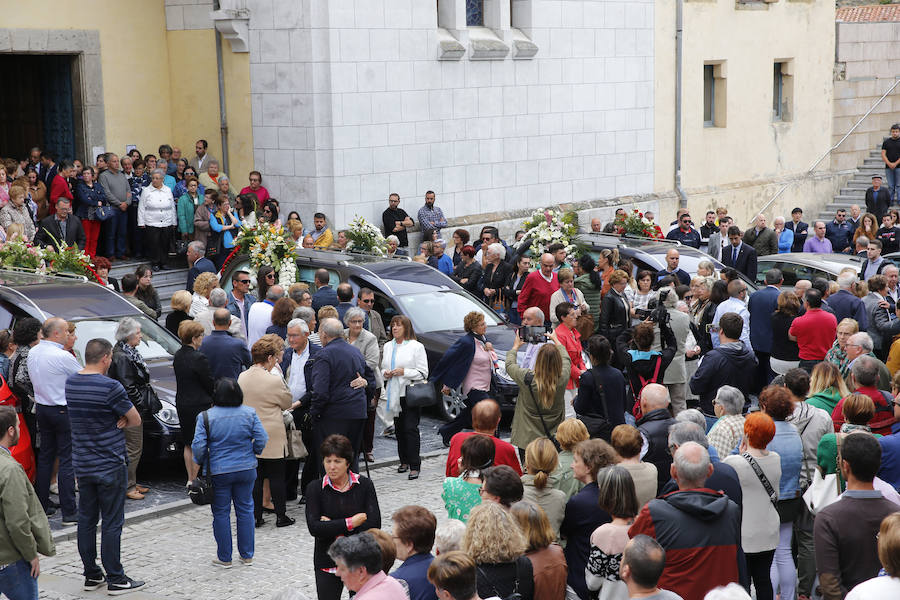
(133,378)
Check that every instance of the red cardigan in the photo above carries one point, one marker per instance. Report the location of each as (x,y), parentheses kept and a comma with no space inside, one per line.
(58,189)
(571,341)
(537,292)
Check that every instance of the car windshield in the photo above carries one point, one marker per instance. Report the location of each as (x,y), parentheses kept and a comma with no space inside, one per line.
(442,311)
(156,342)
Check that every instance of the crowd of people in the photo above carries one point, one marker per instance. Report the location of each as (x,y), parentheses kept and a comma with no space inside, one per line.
(673,435)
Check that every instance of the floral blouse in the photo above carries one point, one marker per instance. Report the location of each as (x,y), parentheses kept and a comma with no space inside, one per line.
(460,497)
(602,570)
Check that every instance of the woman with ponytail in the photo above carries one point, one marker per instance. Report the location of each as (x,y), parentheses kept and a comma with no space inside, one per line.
(541,460)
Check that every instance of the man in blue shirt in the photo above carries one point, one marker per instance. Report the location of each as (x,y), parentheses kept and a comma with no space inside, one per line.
(672,259)
(839,232)
(325,294)
(685,233)
(431,219)
(227,355)
(99,409)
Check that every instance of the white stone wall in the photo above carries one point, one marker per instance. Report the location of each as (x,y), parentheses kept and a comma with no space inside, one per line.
(350,103)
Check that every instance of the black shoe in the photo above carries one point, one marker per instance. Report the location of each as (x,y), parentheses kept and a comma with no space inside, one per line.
(302,500)
(284,521)
(94,583)
(413,474)
(156,268)
(73,520)
(52,504)
(403,468)
(270,511)
(260,522)
(50,511)
(123,587)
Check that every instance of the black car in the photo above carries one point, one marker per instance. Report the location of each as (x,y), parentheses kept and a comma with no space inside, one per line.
(96,312)
(433,302)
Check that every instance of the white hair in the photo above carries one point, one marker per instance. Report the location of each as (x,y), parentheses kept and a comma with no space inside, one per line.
(393,238)
(218,298)
(354,312)
(731,399)
(692,415)
(448,536)
(846,280)
(778,218)
(732,591)
(127,328)
(498,249)
(298,323)
(691,473)
(331,327)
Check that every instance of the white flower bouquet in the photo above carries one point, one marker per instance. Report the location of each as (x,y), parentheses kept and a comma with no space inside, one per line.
(365,237)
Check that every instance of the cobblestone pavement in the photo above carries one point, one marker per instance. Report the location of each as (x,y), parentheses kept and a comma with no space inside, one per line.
(173,553)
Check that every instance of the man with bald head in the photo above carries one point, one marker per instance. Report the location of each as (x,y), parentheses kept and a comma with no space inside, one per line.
(338,382)
(596,225)
(50,366)
(654,427)
(539,286)
(672,269)
(485,419)
(700,529)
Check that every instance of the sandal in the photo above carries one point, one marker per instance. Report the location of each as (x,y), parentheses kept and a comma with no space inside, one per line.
(403,468)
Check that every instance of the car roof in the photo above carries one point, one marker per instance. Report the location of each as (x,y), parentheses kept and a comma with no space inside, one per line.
(833,263)
(68,296)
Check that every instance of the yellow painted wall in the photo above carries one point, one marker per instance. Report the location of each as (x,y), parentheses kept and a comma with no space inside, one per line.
(158,86)
(751,148)
(134,59)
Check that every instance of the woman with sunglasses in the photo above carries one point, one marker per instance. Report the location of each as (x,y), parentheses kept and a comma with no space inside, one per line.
(265,278)
(270,213)
(181,186)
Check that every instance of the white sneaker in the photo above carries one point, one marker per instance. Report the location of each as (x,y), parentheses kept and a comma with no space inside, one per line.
(54,488)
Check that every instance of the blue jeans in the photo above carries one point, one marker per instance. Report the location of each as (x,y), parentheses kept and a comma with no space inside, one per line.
(116,231)
(234,488)
(56,440)
(102,495)
(893,186)
(17,583)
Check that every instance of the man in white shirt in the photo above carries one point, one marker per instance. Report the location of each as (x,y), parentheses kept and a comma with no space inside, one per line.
(736,303)
(218,298)
(260,317)
(293,365)
(49,366)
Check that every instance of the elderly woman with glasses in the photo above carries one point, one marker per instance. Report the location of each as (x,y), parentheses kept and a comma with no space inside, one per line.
(727,431)
(129,369)
(837,354)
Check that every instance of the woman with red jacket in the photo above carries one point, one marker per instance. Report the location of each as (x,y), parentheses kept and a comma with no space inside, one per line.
(569,337)
(59,187)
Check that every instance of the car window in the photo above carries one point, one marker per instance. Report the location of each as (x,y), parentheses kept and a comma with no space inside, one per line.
(442,311)
(307,275)
(791,272)
(156,343)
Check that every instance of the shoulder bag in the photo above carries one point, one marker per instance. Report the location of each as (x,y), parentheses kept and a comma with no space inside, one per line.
(420,394)
(773,495)
(529,379)
(200,490)
(103,212)
(826,489)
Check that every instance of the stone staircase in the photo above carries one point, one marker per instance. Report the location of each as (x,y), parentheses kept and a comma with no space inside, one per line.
(854,191)
(166,282)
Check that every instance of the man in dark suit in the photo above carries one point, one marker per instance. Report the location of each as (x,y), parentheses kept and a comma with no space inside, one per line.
(739,255)
(61,227)
(761,306)
(846,304)
(227,355)
(49,169)
(800,229)
(325,294)
(878,199)
(196,258)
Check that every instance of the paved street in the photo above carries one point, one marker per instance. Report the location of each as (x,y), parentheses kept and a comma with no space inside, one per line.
(173,553)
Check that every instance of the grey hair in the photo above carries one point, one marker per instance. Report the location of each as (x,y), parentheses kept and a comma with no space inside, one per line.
(731,399)
(537,312)
(687,431)
(864,241)
(498,249)
(304,312)
(863,340)
(331,327)
(357,551)
(691,415)
(448,536)
(393,238)
(298,323)
(272,293)
(671,299)
(846,280)
(353,312)
(732,591)
(779,217)
(127,328)
(197,247)
(218,298)
(223,178)
(865,371)
(707,264)
(706,281)
(158,172)
(691,474)
(889,266)
(213,161)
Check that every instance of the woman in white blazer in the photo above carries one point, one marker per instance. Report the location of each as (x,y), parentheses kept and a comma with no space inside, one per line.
(155,215)
(403,363)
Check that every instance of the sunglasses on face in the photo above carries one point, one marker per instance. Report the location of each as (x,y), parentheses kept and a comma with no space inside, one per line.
(369,301)
(270,276)
(243,281)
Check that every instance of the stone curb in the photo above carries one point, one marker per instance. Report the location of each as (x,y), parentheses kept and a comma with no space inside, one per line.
(145,514)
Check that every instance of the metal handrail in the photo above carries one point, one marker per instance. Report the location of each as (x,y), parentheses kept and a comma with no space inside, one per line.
(832,149)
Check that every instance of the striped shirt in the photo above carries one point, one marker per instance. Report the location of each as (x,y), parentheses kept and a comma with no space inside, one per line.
(95,404)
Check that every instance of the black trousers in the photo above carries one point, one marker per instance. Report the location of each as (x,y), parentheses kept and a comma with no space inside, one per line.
(291,479)
(311,464)
(156,244)
(406,428)
(352,429)
(273,469)
(758,564)
(464,419)
(328,586)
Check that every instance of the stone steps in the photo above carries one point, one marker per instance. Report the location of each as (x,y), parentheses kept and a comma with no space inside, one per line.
(854,190)
(166,282)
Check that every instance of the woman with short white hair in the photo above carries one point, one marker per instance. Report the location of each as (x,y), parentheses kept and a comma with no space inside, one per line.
(366,342)
(727,432)
(495,274)
(155,215)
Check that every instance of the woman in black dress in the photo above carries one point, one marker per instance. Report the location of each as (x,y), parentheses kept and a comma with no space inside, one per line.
(194,387)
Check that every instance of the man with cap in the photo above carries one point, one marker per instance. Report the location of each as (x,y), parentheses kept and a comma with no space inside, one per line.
(800,229)
(878,199)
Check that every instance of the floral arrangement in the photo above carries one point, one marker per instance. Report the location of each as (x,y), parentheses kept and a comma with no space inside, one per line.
(267,245)
(16,253)
(546,227)
(635,223)
(69,259)
(365,237)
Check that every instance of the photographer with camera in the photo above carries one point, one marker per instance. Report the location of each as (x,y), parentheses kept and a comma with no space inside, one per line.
(643,365)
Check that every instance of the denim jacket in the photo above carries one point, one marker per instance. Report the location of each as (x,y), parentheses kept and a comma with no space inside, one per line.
(236,436)
(789,446)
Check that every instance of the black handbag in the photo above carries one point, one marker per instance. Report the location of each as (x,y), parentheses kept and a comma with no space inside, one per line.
(150,400)
(419,395)
(200,490)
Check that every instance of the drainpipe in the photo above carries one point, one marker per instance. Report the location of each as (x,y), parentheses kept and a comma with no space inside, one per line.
(679,28)
(223,119)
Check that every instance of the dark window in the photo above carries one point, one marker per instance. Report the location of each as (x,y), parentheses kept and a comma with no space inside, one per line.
(778,93)
(475,13)
(709,96)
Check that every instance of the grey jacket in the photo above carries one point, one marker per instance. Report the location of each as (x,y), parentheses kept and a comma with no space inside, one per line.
(681,327)
(116,187)
(881,327)
(714,246)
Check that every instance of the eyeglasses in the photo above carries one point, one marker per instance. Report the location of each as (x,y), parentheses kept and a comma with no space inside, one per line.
(482,491)
(368,301)
(243,281)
